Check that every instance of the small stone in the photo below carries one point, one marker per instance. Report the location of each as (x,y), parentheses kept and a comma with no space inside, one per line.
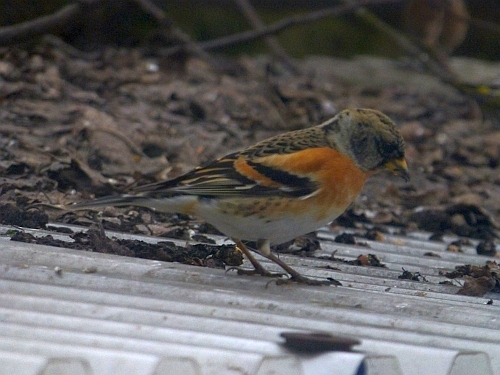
(91,269)
(412,131)
(468,199)
(486,247)
(453,248)
(6,68)
(346,238)
(458,220)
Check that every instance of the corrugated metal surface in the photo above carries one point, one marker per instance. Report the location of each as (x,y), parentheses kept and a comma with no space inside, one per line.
(135,316)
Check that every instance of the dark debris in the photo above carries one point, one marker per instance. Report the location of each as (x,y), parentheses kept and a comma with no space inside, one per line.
(95,240)
(314,342)
(478,280)
(74,128)
(414,276)
(346,238)
(361,260)
(303,245)
(11,215)
(486,247)
(461,219)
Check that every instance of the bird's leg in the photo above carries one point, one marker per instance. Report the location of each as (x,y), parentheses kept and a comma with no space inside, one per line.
(296,276)
(265,250)
(258,268)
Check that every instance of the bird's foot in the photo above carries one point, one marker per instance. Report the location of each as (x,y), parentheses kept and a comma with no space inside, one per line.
(256,271)
(298,278)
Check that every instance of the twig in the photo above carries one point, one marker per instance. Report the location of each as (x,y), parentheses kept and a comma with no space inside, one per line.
(433,66)
(185,40)
(156,12)
(68,49)
(476,22)
(39,26)
(72,12)
(248,36)
(486,93)
(486,25)
(271,41)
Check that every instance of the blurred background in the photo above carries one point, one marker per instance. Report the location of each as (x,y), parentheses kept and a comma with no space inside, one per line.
(124,23)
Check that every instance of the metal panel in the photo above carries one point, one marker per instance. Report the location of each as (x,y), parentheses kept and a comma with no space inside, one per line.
(136,316)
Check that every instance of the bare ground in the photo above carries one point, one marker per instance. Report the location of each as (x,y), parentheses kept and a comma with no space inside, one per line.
(75,126)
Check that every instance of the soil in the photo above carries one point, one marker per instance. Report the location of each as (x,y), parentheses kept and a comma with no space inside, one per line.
(75,126)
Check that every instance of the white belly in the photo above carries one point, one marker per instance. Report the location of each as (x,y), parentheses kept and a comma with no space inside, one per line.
(252,228)
(277,227)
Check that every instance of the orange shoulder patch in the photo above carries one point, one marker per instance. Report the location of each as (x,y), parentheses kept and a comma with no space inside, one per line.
(340,180)
(246,170)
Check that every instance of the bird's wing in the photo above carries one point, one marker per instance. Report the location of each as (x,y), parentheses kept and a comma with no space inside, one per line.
(234,175)
(251,172)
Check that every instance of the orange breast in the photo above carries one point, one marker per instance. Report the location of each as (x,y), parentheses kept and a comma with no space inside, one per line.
(339,178)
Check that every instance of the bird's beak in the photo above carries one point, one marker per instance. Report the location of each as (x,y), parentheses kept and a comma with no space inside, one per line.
(399,168)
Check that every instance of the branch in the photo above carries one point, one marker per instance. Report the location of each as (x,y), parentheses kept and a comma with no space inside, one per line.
(248,36)
(39,26)
(476,22)
(185,41)
(156,12)
(435,67)
(272,42)
(487,94)
(485,25)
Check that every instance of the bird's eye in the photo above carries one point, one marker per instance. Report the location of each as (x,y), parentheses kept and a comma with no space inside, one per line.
(390,151)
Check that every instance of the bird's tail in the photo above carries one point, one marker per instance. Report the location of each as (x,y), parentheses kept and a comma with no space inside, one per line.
(185,204)
(113,200)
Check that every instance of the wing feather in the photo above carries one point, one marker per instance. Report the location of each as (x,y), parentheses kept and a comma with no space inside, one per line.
(223,178)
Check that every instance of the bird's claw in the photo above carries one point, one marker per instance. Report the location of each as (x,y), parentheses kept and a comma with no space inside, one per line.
(283,278)
(306,280)
(256,271)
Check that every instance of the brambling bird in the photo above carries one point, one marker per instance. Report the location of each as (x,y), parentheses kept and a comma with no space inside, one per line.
(282,187)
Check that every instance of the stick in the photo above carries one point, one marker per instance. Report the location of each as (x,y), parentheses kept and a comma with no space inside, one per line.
(186,43)
(271,41)
(39,26)
(436,68)
(248,36)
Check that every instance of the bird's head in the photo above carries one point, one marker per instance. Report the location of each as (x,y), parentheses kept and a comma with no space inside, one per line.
(370,138)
